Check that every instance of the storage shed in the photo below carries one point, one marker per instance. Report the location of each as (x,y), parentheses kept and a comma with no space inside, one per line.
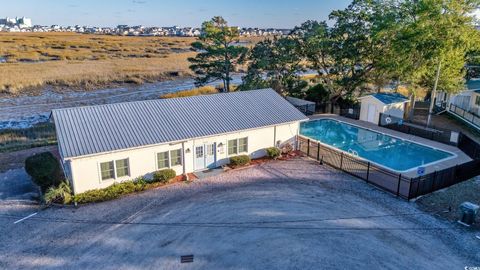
(104,144)
(305,106)
(387,103)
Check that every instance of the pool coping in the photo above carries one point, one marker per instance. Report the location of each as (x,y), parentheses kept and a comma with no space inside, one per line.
(458,157)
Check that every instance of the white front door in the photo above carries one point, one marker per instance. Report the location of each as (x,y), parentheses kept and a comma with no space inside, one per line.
(210,155)
(205,156)
(371,113)
(199,157)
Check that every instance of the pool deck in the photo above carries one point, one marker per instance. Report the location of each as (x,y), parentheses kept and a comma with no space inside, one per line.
(460,158)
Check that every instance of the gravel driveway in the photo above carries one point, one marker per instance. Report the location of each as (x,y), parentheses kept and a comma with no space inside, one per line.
(280,215)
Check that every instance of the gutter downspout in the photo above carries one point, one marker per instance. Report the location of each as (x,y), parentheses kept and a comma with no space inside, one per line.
(275,136)
(183,161)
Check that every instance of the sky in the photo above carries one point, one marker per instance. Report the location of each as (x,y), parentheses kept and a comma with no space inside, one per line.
(243,13)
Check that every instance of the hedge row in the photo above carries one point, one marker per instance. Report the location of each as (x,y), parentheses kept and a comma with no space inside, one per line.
(119,189)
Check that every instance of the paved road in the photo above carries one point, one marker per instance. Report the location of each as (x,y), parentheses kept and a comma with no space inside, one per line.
(281,215)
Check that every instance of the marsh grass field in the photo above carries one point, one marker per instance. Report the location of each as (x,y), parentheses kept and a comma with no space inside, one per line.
(31,61)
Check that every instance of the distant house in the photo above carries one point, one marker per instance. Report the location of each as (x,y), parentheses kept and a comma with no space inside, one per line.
(387,103)
(104,144)
(465,104)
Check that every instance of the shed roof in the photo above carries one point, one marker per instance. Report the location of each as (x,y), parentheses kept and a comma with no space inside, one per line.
(389,98)
(103,128)
(299,102)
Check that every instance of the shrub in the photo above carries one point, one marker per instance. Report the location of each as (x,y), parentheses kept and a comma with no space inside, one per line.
(61,194)
(44,169)
(240,160)
(287,148)
(112,192)
(273,152)
(164,175)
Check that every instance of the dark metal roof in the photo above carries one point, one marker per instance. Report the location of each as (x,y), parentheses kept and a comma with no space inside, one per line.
(390,98)
(299,102)
(103,128)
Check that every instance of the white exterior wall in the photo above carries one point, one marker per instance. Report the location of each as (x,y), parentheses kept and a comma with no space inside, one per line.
(474,107)
(85,171)
(365,102)
(394,109)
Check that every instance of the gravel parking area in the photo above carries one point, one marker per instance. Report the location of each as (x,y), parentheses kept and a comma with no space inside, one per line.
(291,214)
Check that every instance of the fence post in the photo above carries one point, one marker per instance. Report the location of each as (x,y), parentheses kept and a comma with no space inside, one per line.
(318,150)
(341,160)
(308,147)
(398,185)
(455,173)
(368,171)
(433,181)
(410,189)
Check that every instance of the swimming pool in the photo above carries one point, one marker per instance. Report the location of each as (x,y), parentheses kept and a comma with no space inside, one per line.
(391,152)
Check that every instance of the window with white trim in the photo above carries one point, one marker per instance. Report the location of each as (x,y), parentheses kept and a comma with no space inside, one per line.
(114,169)
(169,159)
(107,170)
(122,167)
(162,160)
(243,145)
(237,146)
(477,100)
(232,147)
(176,157)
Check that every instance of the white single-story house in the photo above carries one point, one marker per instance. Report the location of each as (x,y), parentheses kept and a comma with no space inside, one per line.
(468,100)
(387,103)
(464,105)
(104,144)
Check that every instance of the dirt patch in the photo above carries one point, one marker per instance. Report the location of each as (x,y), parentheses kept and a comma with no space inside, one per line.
(445,203)
(447,121)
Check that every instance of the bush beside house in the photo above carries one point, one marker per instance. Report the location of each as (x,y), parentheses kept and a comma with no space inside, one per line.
(164,175)
(45,170)
(240,160)
(273,152)
(112,192)
(60,194)
(120,189)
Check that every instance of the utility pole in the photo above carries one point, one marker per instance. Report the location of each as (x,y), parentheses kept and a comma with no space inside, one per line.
(434,93)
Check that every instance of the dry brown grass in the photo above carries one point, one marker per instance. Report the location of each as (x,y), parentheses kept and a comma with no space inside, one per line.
(82,61)
(87,61)
(22,77)
(27,47)
(204,90)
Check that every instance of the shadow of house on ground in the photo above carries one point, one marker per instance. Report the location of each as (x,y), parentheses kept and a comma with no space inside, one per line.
(281,214)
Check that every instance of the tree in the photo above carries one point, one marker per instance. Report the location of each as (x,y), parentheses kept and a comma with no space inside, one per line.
(217,55)
(275,63)
(44,169)
(350,55)
(433,40)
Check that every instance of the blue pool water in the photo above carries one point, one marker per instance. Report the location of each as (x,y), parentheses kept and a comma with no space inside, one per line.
(391,152)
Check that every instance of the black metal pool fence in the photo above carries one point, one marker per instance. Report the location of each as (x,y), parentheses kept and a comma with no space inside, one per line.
(395,183)
(455,138)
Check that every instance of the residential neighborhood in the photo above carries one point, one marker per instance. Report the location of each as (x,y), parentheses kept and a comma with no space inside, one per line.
(267,135)
(25,25)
